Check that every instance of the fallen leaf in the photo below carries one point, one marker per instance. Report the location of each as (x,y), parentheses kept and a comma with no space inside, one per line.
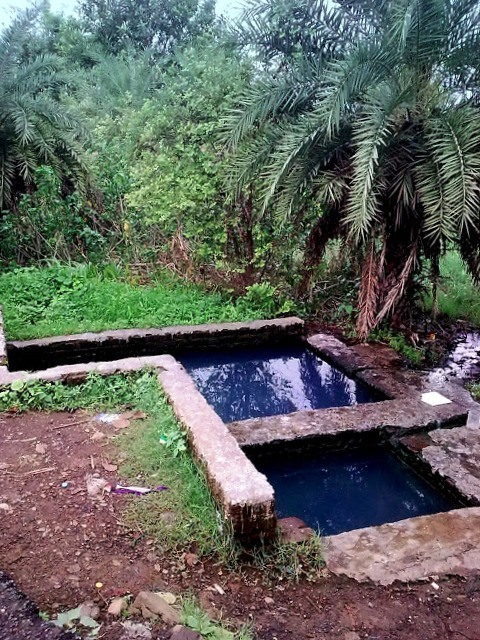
(98,436)
(124,419)
(116,606)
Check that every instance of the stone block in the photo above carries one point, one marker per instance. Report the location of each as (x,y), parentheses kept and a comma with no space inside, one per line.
(246,496)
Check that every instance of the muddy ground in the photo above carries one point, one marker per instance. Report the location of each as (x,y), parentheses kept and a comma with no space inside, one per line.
(57,543)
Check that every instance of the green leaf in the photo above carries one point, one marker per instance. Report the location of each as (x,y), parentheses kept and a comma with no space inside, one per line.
(17,385)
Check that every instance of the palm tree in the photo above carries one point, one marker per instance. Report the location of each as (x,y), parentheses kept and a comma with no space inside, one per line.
(35,129)
(379,129)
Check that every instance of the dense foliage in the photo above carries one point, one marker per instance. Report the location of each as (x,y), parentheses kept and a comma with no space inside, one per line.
(35,128)
(371,114)
(329,152)
(160,25)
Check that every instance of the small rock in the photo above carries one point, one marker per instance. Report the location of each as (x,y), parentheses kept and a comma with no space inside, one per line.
(152,605)
(73,568)
(294,530)
(191,559)
(269,601)
(135,631)
(116,607)
(167,596)
(95,486)
(352,635)
(41,449)
(219,589)
(179,632)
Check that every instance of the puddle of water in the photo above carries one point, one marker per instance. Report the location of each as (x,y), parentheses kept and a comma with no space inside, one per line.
(242,383)
(340,491)
(463,362)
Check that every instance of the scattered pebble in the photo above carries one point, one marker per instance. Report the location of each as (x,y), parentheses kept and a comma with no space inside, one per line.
(219,589)
(168,597)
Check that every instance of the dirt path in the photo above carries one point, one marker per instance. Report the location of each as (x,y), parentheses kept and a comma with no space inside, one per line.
(57,542)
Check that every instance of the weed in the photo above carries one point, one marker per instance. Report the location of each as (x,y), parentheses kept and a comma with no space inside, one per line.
(96,392)
(280,560)
(265,300)
(185,514)
(474,388)
(414,355)
(74,618)
(194,617)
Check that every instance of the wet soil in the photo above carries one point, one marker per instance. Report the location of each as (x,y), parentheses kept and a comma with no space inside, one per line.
(57,542)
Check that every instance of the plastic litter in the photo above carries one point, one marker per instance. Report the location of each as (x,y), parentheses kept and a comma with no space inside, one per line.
(107,417)
(435,399)
(139,491)
(64,485)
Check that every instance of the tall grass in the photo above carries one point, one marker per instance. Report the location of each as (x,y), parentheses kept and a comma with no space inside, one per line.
(458,297)
(61,299)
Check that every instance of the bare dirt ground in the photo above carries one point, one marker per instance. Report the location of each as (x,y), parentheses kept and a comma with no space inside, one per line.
(57,543)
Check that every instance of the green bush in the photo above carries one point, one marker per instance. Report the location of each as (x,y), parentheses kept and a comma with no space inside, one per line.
(49,224)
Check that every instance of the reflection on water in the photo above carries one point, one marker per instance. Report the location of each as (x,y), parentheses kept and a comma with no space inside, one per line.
(243,384)
(344,490)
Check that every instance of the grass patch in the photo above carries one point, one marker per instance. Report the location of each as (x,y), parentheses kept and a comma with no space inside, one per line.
(63,299)
(458,297)
(96,393)
(290,560)
(156,453)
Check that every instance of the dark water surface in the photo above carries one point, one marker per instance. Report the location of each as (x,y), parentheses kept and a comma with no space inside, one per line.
(339,491)
(244,383)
